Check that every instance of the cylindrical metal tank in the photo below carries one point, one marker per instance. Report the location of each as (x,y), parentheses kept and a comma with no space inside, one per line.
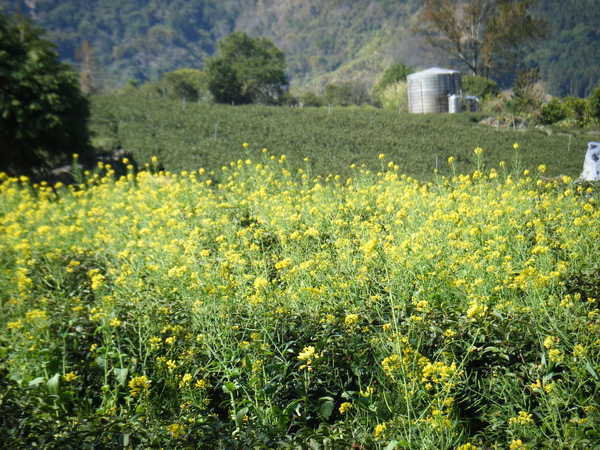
(429,89)
(454,103)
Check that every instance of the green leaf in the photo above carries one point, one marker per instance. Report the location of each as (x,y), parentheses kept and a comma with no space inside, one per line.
(36,381)
(327,409)
(53,384)
(591,370)
(239,416)
(121,375)
(392,444)
(229,387)
(270,388)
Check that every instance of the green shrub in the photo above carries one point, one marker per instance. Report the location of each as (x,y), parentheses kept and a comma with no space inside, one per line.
(553,111)
(594,103)
(189,84)
(395,96)
(346,93)
(575,109)
(310,98)
(192,135)
(481,87)
(396,72)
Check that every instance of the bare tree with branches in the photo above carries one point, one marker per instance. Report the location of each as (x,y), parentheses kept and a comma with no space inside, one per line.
(488,36)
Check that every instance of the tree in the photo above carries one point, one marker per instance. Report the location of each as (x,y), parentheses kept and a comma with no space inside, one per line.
(345,93)
(480,87)
(88,71)
(247,70)
(43,114)
(190,84)
(527,96)
(395,73)
(488,36)
(553,111)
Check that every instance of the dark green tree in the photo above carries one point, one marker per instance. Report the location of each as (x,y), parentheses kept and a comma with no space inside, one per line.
(189,84)
(575,109)
(553,111)
(527,98)
(246,70)
(480,87)
(43,114)
(393,74)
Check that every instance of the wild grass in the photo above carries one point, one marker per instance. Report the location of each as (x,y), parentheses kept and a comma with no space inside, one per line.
(281,309)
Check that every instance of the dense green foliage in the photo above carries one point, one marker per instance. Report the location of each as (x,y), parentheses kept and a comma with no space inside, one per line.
(479,87)
(324,41)
(395,96)
(346,93)
(553,111)
(568,60)
(43,115)
(189,84)
(246,70)
(188,136)
(396,72)
(594,102)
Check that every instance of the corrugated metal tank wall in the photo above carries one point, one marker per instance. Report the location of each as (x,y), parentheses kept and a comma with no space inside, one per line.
(428,90)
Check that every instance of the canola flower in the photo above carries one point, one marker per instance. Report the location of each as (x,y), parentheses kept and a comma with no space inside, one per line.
(523,418)
(139,385)
(345,407)
(351,319)
(70,377)
(379,431)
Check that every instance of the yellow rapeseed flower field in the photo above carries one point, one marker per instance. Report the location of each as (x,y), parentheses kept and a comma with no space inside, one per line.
(263,302)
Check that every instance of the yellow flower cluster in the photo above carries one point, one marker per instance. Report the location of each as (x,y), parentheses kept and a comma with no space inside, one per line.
(523,418)
(138,386)
(308,354)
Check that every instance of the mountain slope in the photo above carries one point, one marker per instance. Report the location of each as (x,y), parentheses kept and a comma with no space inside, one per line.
(324,40)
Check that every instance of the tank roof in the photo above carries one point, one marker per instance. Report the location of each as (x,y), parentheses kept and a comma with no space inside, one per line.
(433,71)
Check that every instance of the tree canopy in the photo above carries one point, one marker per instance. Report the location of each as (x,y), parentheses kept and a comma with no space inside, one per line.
(43,115)
(393,74)
(488,36)
(246,70)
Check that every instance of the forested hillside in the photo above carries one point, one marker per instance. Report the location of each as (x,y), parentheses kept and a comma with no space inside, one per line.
(323,41)
(569,60)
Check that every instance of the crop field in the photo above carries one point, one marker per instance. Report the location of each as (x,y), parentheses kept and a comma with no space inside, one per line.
(190,136)
(264,306)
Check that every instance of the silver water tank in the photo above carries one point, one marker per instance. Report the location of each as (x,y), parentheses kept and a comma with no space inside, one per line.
(454,103)
(429,89)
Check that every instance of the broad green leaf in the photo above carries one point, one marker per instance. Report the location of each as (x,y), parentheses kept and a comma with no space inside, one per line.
(239,416)
(327,409)
(53,384)
(121,375)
